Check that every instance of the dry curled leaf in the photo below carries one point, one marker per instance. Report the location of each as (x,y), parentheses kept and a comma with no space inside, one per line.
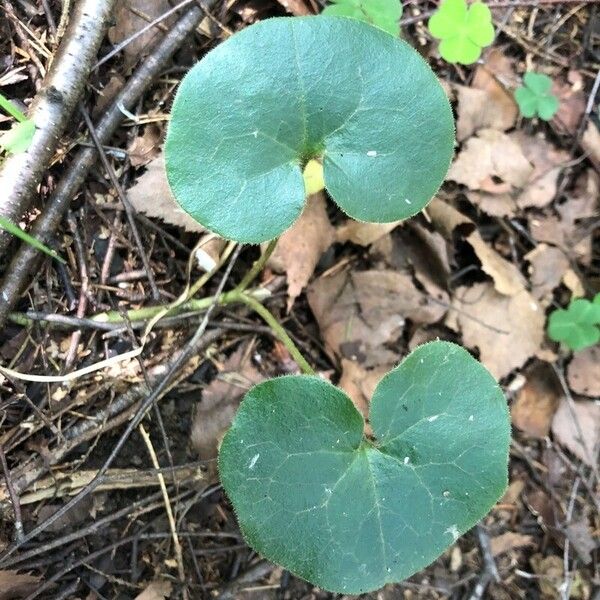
(220,401)
(360,383)
(583,372)
(548,265)
(146,147)
(157,590)
(299,249)
(510,540)
(536,402)
(363,234)
(577,428)
(507,330)
(151,195)
(14,586)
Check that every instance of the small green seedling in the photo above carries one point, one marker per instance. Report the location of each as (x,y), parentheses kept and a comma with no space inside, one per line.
(463,30)
(19,136)
(577,326)
(382,13)
(259,123)
(535,98)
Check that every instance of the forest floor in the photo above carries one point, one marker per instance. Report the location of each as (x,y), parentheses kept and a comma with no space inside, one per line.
(513,234)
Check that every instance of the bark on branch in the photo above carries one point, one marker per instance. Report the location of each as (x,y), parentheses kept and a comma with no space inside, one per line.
(52,108)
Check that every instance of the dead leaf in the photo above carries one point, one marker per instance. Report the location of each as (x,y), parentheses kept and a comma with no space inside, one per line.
(491,162)
(572,100)
(345,329)
(580,535)
(510,540)
(360,383)
(151,195)
(583,372)
(508,280)
(132,15)
(299,249)
(363,234)
(146,147)
(566,429)
(220,401)
(507,330)
(14,586)
(487,103)
(550,573)
(157,590)
(548,265)
(297,8)
(537,401)
(547,162)
(590,142)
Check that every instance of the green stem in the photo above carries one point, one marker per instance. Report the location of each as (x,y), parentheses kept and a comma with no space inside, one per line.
(257,267)
(9,226)
(11,109)
(279,331)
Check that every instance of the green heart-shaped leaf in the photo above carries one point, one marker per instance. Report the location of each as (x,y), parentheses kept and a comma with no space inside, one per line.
(351,514)
(535,97)
(254,110)
(578,326)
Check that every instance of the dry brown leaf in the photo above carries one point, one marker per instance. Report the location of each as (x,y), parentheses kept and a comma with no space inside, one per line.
(14,586)
(363,234)
(151,195)
(569,421)
(487,157)
(146,147)
(220,401)
(157,590)
(360,383)
(487,103)
(510,540)
(548,265)
(550,573)
(345,328)
(580,535)
(508,280)
(507,330)
(583,373)
(299,249)
(572,100)
(128,22)
(537,401)
(546,159)
(297,8)
(590,142)
(392,295)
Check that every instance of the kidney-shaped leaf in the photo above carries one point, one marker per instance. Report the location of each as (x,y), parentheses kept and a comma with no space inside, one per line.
(351,514)
(250,114)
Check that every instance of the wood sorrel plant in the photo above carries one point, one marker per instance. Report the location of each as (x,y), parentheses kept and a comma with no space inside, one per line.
(343,510)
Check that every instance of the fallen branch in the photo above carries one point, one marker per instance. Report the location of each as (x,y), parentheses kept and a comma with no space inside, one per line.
(23,264)
(52,108)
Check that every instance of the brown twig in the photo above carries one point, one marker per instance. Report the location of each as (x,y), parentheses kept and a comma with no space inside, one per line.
(24,261)
(19,531)
(52,108)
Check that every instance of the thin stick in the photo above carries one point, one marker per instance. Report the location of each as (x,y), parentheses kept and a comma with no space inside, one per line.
(165,494)
(19,531)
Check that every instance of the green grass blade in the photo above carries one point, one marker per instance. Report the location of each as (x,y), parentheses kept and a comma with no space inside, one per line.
(18,232)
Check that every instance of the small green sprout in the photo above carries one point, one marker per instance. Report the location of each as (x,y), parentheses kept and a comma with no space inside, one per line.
(535,98)
(18,137)
(464,30)
(577,326)
(28,239)
(382,13)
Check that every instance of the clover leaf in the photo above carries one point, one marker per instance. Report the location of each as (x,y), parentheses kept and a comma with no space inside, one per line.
(464,30)
(257,108)
(382,13)
(349,513)
(577,326)
(535,97)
